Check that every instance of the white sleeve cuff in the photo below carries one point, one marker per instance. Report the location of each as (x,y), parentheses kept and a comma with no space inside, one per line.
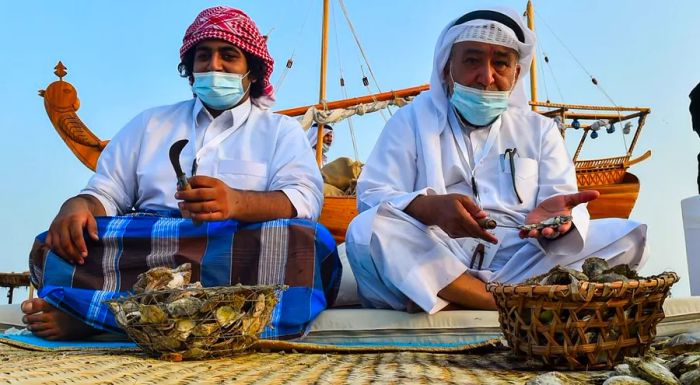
(303,207)
(402,201)
(108,204)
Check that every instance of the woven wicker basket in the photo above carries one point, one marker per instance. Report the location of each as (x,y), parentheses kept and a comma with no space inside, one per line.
(584,326)
(196,323)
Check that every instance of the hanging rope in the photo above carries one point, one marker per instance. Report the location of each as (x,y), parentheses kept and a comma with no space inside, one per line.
(325,116)
(290,61)
(593,79)
(342,85)
(362,51)
(551,71)
(365,83)
(543,52)
(544,78)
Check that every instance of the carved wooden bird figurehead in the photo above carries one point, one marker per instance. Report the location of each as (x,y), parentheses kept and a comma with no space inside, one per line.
(60,96)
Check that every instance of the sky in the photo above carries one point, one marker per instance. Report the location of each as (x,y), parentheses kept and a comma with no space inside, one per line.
(122,58)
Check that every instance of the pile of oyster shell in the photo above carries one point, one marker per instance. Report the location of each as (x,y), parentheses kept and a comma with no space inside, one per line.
(594,270)
(171,318)
(683,369)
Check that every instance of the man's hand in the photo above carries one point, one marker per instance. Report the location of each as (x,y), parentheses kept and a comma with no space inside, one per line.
(210,199)
(552,207)
(65,236)
(456,214)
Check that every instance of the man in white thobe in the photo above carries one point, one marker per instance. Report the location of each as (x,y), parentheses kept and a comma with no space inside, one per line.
(467,149)
(251,165)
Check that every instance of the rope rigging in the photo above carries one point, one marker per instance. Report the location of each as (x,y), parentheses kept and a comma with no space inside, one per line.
(342,86)
(597,124)
(290,61)
(362,51)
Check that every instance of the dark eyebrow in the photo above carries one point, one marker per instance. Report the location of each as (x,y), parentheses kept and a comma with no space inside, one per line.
(228,49)
(473,51)
(505,55)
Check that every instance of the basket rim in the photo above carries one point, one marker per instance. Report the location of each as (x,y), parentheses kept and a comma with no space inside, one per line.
(662,280)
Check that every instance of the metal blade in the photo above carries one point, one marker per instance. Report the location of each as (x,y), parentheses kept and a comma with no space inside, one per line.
(174,154)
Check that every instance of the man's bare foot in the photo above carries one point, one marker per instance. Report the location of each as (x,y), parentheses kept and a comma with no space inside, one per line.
(45,321)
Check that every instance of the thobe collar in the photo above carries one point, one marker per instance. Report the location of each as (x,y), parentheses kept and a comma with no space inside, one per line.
(236,115)
(230,119)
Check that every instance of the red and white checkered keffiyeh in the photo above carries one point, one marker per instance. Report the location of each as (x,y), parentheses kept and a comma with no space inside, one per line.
(234,26)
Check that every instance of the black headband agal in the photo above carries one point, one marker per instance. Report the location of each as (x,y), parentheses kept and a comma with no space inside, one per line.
(494,16)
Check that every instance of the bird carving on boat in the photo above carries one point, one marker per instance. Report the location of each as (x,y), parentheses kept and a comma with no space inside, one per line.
(62,103)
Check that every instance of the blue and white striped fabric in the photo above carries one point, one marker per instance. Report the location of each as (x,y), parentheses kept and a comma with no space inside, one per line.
(293,252)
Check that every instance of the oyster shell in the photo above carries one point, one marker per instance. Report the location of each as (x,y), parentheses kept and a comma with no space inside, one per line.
(133,317)
(118,312)
(259,305)
(160,278)
(625,380)
(227,316)
(609,277)
(183,329)
(185,325)
(691,378)
(139,337)
(130,306)
(152,314)
(206,330)
(652,369)
(558,275)
(623,269)
(165,343)
(184,307)
(684,363)
(594,266)
(194,353)
(683,342)
(623,370)
(250,326)
(551,378)
(204,342)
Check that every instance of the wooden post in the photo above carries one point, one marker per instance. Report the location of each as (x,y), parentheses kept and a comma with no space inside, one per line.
(580,144)
(533,67)
(322,88)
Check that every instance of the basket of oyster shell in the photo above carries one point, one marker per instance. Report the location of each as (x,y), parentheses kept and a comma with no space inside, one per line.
(172,319)
(582,320)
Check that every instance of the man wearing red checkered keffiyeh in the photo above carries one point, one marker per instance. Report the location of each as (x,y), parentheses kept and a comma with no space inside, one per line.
(235,27)
(247,164)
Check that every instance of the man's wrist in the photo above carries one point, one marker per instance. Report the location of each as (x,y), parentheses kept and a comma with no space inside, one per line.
(416,208)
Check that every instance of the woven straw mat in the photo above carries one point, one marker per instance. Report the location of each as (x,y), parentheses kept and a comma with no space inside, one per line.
(20,366)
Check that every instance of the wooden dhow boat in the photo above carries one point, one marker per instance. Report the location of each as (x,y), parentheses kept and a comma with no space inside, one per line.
(618,187)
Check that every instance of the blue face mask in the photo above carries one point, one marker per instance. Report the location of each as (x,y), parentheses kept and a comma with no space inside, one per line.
(219,90)
(479,107)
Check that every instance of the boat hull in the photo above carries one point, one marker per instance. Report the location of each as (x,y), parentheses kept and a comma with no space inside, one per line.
(336,214)
(615,201)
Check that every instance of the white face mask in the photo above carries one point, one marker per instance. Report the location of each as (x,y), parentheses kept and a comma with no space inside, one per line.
(478,107)
(219,90)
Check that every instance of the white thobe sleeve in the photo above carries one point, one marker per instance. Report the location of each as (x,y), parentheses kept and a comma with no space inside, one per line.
(295,172)
(114,182)
(558,176)
(391,169)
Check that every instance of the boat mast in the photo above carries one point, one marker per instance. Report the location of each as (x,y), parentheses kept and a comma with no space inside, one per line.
(533,72)
(322,85)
